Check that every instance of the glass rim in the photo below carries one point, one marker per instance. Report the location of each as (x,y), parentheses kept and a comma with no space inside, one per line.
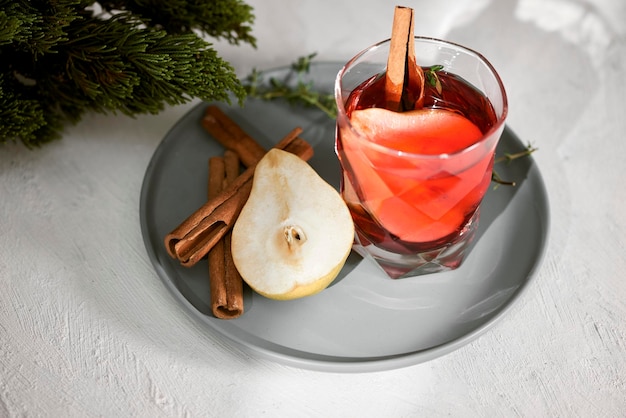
(341,113)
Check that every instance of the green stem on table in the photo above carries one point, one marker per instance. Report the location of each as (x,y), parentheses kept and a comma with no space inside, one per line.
(300,92)
(507,157)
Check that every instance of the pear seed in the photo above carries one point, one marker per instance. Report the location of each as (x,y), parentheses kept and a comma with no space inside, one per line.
(294,235)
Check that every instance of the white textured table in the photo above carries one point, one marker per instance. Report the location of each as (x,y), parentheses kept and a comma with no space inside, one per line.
(88,329)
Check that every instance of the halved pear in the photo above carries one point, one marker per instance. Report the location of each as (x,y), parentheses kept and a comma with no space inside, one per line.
(294,233)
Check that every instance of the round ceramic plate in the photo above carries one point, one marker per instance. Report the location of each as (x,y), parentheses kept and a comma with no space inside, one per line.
(363,321)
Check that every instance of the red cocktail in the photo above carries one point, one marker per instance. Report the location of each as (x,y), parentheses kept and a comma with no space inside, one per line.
(414,180)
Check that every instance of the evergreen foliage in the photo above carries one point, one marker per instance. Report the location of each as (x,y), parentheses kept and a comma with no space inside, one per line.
(61,58)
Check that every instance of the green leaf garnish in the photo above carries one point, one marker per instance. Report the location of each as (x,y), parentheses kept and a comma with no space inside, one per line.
(432,78)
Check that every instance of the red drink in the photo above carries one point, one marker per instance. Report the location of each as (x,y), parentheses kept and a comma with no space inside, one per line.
(414,180)
(417,202)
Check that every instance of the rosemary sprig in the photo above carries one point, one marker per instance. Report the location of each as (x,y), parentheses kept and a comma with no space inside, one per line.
(298,92)
(510,157)
(507,158)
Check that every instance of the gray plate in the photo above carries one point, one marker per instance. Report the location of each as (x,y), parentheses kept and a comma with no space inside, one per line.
(363,321)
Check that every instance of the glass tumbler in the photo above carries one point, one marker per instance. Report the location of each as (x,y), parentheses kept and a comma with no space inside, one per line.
(416,211)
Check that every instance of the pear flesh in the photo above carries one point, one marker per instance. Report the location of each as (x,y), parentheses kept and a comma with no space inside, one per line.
(294,233)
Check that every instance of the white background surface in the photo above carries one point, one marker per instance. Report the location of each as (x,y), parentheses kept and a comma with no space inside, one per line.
(88,329)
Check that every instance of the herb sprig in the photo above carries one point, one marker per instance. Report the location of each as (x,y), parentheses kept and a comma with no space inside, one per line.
(432,78)
(299,91)
(508,158)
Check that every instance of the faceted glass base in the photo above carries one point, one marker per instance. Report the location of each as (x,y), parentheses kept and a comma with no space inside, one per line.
(444,258)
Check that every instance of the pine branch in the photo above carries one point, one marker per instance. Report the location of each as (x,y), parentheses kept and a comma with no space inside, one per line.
(19,117)
(58,61)
(36,30)
(221,19)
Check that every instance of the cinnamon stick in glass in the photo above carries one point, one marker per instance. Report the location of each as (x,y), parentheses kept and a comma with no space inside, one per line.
(404,79)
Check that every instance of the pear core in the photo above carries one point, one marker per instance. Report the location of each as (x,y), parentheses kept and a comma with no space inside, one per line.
(294,233)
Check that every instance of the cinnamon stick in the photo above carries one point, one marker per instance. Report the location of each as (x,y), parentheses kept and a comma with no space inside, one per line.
(404,79)
(231,166)
(195,236)
(231,136)
(216,254)
(226,284)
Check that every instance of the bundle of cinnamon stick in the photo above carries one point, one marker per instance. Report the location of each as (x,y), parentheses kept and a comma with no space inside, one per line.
(205,233)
